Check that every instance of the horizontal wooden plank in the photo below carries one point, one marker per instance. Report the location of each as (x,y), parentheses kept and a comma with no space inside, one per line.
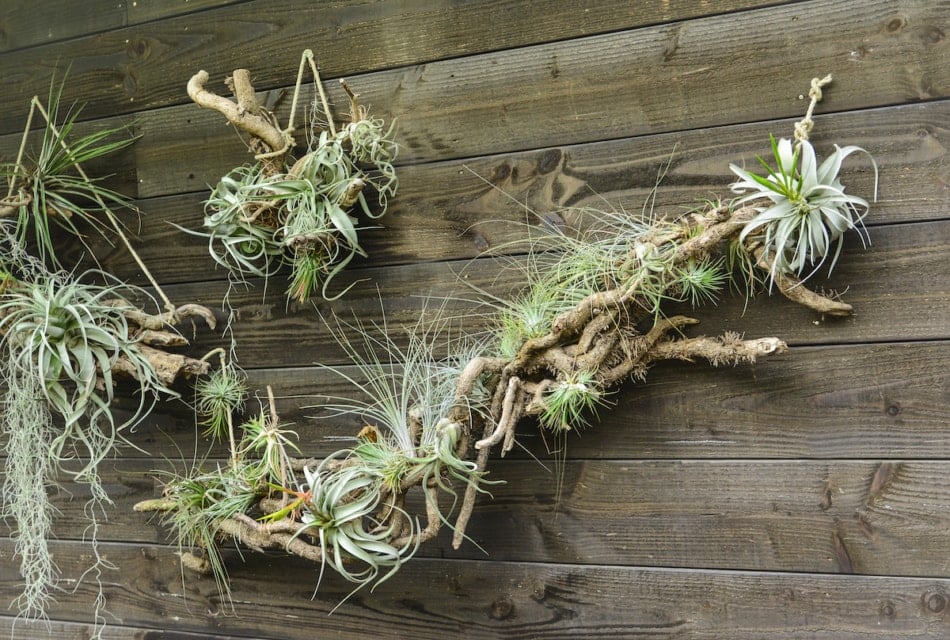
(442,598)
(451,210)
(911,303)
(140,12)
(56,630)
(145,66)
(828,516)
(24,23)
(690,75)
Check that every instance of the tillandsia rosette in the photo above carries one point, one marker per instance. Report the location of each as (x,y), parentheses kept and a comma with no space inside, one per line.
(810,211)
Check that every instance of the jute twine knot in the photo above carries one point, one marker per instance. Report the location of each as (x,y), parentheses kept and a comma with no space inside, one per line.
(804,126)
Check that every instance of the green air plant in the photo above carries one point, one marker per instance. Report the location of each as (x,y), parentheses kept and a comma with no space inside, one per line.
(64,343)
(341,513)
(196,505)
(204,506)
(571,402)
(299,212)
(49,188)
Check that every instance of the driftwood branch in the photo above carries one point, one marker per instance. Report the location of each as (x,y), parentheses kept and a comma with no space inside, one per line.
(602,336)
(245,114)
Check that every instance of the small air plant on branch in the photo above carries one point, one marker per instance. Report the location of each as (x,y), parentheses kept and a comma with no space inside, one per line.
(46,188)
(305,212)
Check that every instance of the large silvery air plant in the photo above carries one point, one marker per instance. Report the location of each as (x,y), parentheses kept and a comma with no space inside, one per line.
(809,212)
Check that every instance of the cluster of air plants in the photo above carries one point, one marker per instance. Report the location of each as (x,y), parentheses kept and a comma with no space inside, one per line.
(348,511)
(302,213)
(590,314)
(66,340)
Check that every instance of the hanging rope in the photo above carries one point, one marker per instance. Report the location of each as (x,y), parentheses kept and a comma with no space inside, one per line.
(804,126)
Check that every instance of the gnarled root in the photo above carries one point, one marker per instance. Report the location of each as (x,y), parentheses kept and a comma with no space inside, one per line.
(245,114)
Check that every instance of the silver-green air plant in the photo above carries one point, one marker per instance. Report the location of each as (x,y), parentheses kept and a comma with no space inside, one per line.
(406,395)
(809,211)
(62,339)
(70,335)
(342,514)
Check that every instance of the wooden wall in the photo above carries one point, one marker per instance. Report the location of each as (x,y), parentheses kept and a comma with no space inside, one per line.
(807,496)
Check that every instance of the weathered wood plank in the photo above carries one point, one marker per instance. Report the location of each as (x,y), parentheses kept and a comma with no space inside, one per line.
(797,516)
(450,210)
(626,84)
(145,66)
(827,516)
(26,23)
(440,598)
(56,630)
(911,303)
(140,11)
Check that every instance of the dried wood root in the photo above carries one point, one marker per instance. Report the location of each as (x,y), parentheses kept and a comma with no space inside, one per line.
(603,336)
(600,336)
(245,113)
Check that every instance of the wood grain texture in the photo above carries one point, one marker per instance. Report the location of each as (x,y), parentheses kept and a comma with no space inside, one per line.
(823,516)
(512,600)
(625,84)
(27,23)
(56,630)
(146,66)
(139,11)
(910,303)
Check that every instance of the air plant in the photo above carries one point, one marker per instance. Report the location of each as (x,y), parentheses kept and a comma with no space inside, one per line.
(49,189)
(267,443)
(341,515)
(195,506)
(570,403)
(62,340)
(70,335)
(240,223)
(810,210)
(218,397)
(701,281)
